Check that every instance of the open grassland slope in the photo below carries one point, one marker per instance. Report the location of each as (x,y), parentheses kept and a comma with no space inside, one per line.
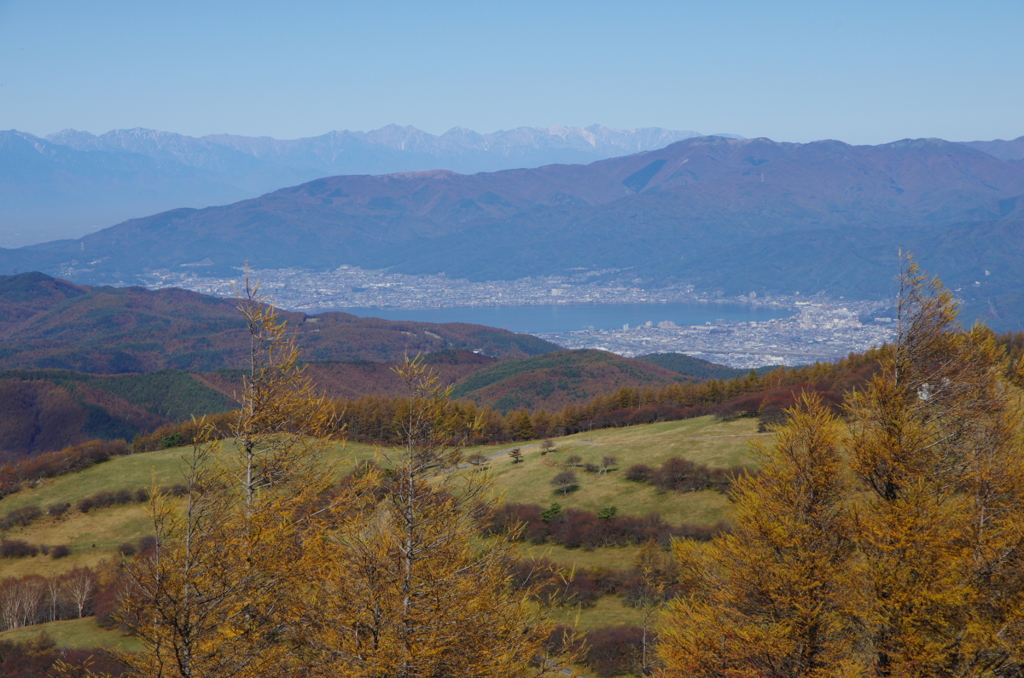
(97,533)
(97,538)
(76,634)
(704,441)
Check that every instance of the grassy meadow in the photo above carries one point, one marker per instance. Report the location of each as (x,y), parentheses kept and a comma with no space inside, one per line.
(95,536)
(703,441)
(74,634)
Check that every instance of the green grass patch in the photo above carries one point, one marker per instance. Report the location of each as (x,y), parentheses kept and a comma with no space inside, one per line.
(96,535)
(75,634)
(703,441)
(608,611)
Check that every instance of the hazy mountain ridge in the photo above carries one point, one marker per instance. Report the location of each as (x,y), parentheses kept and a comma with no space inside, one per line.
(73,182)
(735,215)
(329,153)
(50,191)
(792,213)
(1012,150)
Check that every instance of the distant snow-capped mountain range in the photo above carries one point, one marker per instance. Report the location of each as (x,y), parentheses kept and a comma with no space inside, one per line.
(386,150)
(70,183)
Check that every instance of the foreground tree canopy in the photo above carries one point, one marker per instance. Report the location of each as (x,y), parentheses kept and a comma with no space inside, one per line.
(888,541)
(883,538)
(272,567)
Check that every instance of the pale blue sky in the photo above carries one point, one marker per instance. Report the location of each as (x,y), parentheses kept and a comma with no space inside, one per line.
(863,72)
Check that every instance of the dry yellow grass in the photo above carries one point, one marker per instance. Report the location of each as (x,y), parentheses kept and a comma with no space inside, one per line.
(164,467)
(96,535)
(615,558)
(92,537)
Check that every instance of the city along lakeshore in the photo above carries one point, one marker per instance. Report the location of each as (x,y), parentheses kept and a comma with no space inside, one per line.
(819,328)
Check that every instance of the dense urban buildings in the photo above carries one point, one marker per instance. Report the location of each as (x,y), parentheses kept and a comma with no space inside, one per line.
(818,329)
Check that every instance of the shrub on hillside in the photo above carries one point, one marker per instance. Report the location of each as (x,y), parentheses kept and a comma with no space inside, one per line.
(640,473)
(576,528)
(60,551)
(17,548)
(122,497)
(682,475)
(769,417)
(41,657)
(20,517)
(565,482)
(176,439)
(58,509)
(616,650)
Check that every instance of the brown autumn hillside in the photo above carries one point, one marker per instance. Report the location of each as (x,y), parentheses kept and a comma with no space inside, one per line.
(554,380)
(47,410)
(50,323)
(350,379)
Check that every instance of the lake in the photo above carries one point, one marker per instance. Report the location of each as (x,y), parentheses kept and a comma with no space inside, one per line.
(569,318)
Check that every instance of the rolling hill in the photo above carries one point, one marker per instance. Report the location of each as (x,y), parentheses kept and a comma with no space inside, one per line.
(79,363)
(50,323)
(48,410)
(693,367)
(705,440)
(554,380)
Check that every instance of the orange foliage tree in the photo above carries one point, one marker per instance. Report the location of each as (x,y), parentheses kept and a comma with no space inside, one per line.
(269,566)
(410,589)
(891,544)
(224,591)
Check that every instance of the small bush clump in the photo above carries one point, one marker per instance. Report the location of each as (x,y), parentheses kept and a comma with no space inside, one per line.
(576,528)
(20,517)
(682,475)
(17,548)
(122,497)
(58,509)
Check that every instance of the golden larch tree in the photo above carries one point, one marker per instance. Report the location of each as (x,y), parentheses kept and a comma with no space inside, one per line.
(772,598)
(936,441)
(224,593)
(410,589)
